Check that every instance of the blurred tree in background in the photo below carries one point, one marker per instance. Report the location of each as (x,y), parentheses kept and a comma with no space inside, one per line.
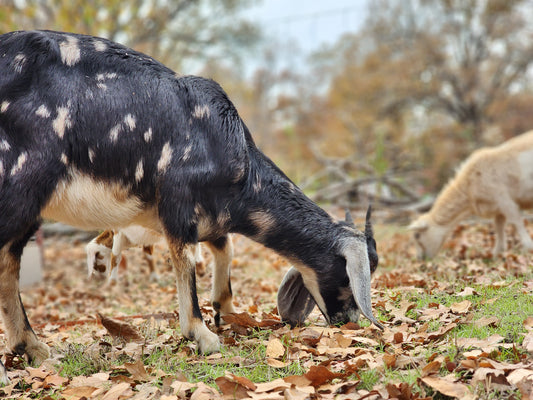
(422,85)
(173,32)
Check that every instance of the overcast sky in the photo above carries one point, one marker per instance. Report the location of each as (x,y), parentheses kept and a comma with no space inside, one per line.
(310,22)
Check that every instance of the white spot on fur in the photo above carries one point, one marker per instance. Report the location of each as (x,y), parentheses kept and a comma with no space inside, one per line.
(64,158)
(4,106)
(201,111)
(100,46)
(70,51)
(187,153)
(108,75)
(139,171)
(43,112)
(4,145)
(62,121)
(91,155)
(1,168)
(101,85)
(148,135)
(18,62)
(114,132)
(130,122)
(20,162)
(164,160)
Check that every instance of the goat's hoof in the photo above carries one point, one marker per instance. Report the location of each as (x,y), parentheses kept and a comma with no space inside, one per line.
(37,352)
(209,344)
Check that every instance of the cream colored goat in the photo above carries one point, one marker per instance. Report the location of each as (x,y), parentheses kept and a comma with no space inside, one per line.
(494,182)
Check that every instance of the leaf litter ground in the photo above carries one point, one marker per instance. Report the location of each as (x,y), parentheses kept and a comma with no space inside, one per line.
(460,326)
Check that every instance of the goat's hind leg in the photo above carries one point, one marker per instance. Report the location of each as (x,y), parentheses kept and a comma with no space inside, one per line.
(191,321)
(222,295)
(20,336)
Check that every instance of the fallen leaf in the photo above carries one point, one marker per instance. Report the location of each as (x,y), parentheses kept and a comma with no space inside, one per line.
(120,330)
(400,392)
(117,391)
(277,363)
(137,371)
(528,342)
(452,389)
(528,323)
(467,291)
(275,385)
(520,374)
(461,307)
(55,380)
(389,360)
(275,348)
(318,374)
(37,372)
(204,392)
(398,337)
(431,368)
(486,321)
(235,386)
(494,376)
(78,393)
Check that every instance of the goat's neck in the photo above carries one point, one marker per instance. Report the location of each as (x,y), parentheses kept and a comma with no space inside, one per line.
(280,216)
(451,205)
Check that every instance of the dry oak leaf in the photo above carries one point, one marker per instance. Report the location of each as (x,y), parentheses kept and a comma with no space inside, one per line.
(431,368)
(486,321)
(448,388)
(204,392)
(528,342)
(275,348)
(462,307)
(235,386)
(117,391)
(137,371)
(316,376)
(403,392)
(120,330)
(78,392)
(494,376)
(245,320)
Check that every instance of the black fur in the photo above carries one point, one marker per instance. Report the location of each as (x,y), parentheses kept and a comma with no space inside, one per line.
(106,108)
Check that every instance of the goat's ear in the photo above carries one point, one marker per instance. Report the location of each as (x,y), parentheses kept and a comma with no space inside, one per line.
(295,302)
(418,225)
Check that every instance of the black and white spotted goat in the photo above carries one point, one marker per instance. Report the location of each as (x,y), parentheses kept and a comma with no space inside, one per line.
(99,136)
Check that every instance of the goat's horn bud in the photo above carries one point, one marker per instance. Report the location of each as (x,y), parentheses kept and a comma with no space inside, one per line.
(368,223)
(348,217)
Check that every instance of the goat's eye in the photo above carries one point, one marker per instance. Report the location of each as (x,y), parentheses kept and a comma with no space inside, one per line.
(417,235)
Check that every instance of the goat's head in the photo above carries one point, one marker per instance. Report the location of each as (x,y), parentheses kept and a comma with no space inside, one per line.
(428,236)
(343,290)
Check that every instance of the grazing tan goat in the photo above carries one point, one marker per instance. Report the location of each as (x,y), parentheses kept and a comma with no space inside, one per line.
(494,182)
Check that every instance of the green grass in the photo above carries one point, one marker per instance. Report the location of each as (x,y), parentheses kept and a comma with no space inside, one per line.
(250,353)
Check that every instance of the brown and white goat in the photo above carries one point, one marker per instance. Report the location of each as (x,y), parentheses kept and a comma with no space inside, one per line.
(104,252)
(493,182)
(99,136)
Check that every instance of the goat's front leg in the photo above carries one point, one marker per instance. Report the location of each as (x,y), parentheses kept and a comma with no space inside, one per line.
(222,296)
(191,322)
(499,245)
(20,336)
